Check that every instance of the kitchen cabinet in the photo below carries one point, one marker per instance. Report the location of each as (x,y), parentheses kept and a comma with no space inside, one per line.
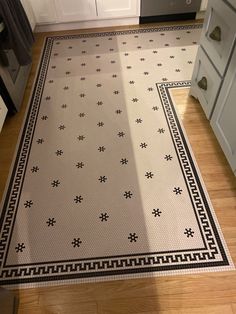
(75,10)
(223,118)
(60,11)
(203,5)
(214,75)
(29,12)
(44,11)
(114,8)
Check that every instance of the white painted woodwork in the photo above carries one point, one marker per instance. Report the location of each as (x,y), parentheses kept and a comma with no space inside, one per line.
(29,12)
(120,8)
(204,5)
(223,119)
(219,14)
(44,11)
(76,10)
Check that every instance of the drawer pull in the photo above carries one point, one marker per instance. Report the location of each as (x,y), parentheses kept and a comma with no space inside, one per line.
(216,34)
(203,83)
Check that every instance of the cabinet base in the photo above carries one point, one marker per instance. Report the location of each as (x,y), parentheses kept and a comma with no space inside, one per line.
(166,18)
(86,24)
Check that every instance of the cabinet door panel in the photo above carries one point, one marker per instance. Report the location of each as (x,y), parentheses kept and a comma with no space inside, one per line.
(76,10)
(114,8)
(224,116)
(44,11)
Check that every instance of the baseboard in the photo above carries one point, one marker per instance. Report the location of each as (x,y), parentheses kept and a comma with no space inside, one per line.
(86,24)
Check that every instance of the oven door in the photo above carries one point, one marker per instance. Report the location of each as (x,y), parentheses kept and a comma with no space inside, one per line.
(13,75)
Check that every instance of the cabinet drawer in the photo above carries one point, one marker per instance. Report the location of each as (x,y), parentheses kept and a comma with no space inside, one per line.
(205,82)
(219,33)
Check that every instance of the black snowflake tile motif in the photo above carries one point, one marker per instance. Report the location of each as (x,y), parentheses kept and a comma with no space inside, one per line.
(44,118)
(124,161)
(53,67)
(177,190)
(98,70)
(80,164)
(118,111)
(55,183)
(61,127)
(142,59)
(168,157)
(190,62)
(104,216)
(139,120)
(100,124)
(139,47)
(114,75)
(99,85)
(81,114)
(81,137)
(51,81)
(64,106)
(116,92)
(121,134)
(156,212)
(51,222)
(135,100)
(154,51)
(83,78)
(98,57)
(102,179)
(28,204)
(159,64)
(69,59)
(99,103)
(133,237)
(126,54)
(78,199)
(101,149)
(167,45)
(76,242)
(83,64)
(177,70)
(129,67)
(178,38)
(164,79)
(128,194)
(66,87)
(113,61)
(59,152)
(48,98)
(172,57)
(143,145)
(183,49)
(149,175)
(68,72)
(161,130)
(146,73)
(70,47)
(83,51)
(155,108)
(189,232)
(150,89)
(131,82)
(82,95)
(34,169)
(20,247)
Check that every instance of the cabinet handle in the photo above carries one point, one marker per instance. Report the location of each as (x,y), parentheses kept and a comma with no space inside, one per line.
(203,83)
(216,34)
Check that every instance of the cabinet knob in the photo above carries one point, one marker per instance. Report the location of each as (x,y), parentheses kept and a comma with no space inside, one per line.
(203,83)
(216,34)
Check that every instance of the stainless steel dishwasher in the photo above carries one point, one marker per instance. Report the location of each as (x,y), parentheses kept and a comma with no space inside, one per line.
(167,10)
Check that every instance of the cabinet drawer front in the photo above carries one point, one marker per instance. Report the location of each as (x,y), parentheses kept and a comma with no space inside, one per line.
(219,33)
(205,82)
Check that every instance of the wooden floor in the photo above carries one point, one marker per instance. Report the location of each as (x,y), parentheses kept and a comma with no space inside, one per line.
(203,293)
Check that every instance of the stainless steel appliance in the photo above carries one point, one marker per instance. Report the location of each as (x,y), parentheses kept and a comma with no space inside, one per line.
(166,10)
(16,40)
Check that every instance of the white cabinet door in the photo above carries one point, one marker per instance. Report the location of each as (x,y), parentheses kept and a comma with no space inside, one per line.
(203,5)
(29,12)
(76,10)
(44,11)
(223,120)
(117,8)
